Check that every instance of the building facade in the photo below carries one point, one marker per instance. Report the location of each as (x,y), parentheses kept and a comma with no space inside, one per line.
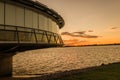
(27,23)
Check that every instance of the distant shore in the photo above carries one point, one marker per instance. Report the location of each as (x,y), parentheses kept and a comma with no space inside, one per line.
(93,45)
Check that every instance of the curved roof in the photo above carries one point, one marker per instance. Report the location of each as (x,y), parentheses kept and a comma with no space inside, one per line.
(41,7)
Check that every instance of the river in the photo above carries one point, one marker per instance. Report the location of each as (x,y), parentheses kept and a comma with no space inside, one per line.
(50,60)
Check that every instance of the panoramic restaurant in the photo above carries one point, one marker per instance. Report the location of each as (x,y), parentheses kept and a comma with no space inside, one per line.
(28,24)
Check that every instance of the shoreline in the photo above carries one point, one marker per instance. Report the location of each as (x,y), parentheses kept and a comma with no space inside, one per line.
(58,74)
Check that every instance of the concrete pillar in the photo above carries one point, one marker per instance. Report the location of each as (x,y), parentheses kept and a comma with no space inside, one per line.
(6,64)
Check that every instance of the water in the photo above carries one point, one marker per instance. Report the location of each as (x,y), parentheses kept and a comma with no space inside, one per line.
(52,60)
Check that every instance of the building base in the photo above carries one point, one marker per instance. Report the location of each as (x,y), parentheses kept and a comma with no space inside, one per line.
(6,65)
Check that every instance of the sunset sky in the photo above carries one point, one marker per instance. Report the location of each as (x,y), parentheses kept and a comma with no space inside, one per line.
(88,21)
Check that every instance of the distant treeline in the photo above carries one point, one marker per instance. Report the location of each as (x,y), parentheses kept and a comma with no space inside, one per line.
(94,45)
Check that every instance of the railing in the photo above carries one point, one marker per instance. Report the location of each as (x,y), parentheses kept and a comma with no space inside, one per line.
(18,34)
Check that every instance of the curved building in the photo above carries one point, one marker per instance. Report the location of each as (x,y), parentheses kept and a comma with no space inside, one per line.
(26,24)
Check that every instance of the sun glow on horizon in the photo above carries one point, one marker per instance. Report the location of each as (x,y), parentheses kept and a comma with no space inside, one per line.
(84,39)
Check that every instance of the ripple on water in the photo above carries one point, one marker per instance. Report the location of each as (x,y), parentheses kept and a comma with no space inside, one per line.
(60,59)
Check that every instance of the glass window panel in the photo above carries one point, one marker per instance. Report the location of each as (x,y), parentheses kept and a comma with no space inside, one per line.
(57,31)
(21,29)
(61,42)
(10,14)
(1,27)
(41,21)
(49,38)
(8,36)
(22,36)
(49,25)
(28,18)
(35,20)
(52,40)
(53,24)
(58,41)
(1,13)
(10,28)
(39,37)
(39,31)
(33,39)
(46,24)
(27,37)
(54,27)
(44,39)
(19,16)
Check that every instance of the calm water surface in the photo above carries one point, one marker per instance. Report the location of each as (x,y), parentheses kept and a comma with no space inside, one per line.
(60,59)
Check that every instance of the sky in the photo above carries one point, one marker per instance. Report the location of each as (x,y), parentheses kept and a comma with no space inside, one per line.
(88,22)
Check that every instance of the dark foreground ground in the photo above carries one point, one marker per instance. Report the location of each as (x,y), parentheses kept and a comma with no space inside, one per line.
(103,72)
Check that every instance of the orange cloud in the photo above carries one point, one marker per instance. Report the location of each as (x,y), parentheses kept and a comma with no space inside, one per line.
(79,34)
(90,31)
(113,29)
(78,38)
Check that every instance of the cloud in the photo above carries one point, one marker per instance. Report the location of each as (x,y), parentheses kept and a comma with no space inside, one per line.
(114,28)
(89,36)
(79,34)
(82,32)
(65,33)
(90,31)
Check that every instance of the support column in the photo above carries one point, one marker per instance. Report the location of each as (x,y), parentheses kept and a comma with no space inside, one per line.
(6,64)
